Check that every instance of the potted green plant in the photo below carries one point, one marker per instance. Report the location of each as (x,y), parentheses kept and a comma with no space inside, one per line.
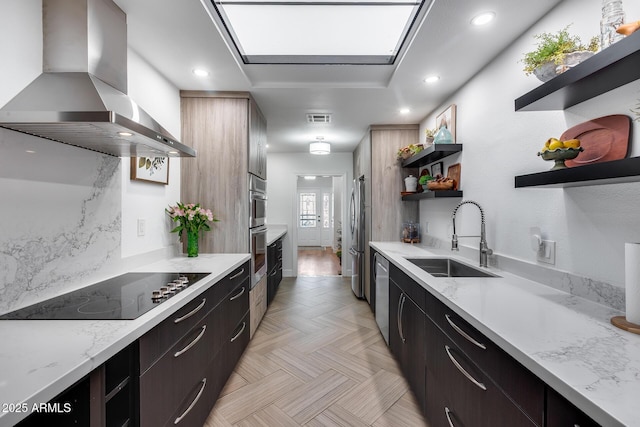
(556,53)
(429,134)
(408,151)
(424,180)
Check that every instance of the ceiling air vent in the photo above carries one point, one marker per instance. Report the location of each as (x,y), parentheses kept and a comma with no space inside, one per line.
(318,118)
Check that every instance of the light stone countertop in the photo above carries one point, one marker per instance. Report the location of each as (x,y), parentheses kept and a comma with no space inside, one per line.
(41,358)
(274,232)
(565,340)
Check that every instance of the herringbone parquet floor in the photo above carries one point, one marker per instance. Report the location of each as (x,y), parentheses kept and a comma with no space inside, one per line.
(317,359)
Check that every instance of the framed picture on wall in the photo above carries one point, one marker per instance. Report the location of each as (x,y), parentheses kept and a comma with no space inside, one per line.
(436,169)
(150,169)
(448,119)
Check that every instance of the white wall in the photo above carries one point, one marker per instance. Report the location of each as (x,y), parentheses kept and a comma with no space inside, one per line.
(283,168)
(590,224)
(338,189)
(142,200)
(74,211)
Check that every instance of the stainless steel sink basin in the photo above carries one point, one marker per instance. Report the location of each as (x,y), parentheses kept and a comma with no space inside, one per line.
(446,267)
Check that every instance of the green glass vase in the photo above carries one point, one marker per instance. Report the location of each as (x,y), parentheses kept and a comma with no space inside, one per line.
(192,243)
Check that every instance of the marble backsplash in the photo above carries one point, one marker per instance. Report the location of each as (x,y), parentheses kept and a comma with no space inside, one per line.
(60,222)
(584,287)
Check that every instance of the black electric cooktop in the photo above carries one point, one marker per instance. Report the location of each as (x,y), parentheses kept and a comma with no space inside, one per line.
(123,297)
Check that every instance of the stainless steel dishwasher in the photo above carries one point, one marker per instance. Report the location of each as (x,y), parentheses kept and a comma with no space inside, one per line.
(382,294)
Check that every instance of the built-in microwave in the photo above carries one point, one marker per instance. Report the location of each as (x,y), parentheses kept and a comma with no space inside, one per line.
(257,201)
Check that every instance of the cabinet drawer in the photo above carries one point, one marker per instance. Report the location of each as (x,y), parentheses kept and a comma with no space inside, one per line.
(235,307)
(562,413)
(156,342)
(234,347)
(167,383)
(524,388)
(238,276)
(196,406)
(460,394)
(409,286)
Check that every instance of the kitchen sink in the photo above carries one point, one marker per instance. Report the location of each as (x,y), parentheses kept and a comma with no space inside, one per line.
(447,267)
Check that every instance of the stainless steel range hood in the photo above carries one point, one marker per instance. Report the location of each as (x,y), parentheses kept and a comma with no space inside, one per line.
(80,98)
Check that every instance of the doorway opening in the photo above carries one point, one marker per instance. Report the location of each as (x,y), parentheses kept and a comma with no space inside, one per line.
(319,225)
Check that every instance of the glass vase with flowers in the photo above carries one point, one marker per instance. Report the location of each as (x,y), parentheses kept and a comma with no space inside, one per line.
(191,218)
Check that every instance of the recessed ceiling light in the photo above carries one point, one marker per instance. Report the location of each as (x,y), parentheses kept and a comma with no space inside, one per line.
(405,110)
(29,151)
(431,79)
(200,72)
(267,145)
(483,18)
(310,178)
(125,134)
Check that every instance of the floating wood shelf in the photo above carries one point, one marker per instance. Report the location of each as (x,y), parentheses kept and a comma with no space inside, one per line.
(609,69)
(431,154)
(433,195)
(613,172)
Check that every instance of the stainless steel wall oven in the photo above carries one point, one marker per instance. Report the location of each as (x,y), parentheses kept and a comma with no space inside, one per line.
(258,254)
(257,227)
(257,201)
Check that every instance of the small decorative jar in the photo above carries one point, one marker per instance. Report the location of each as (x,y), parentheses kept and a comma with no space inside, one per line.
(443,136)
(411,232)
(411,183)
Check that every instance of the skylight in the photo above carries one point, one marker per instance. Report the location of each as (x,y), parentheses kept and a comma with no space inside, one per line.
(318,32)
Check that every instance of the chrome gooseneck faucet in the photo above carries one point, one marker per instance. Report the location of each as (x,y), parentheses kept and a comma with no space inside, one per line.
(484,249)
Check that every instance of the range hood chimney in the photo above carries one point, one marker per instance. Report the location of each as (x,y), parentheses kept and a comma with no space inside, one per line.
(80,98)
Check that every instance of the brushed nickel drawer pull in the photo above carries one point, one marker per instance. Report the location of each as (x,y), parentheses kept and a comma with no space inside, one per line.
(239,294)
(235,337)
(447,412)
(464,334)
(461,369)
(192,312)
(403,298)
(237,274)
(184,414)
(192,343)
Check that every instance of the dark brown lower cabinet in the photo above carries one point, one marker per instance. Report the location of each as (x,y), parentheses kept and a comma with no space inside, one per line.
(459,376)
(274,269)
(181,386)
(76,398)
(461,394)
(407,339)
(197,403)
(561,413)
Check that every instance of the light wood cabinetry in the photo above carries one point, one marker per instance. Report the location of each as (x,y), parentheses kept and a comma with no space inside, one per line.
(375,158)
(387,181)
(221,126)
(258,304)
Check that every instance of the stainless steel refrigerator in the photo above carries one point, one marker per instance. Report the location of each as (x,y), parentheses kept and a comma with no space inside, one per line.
(357,223)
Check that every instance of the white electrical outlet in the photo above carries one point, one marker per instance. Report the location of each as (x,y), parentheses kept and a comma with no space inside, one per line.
(142,227)
(547,252)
